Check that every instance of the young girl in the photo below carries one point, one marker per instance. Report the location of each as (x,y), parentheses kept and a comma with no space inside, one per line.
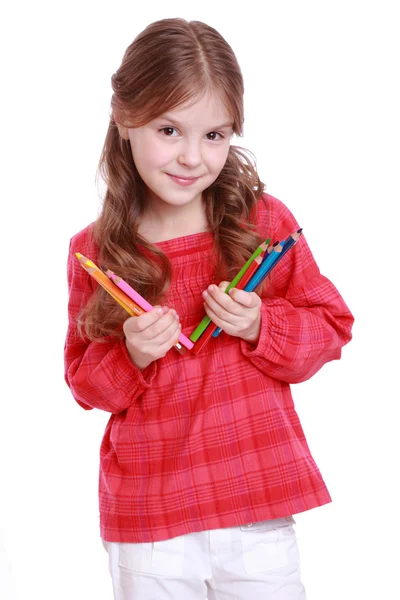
(203,461)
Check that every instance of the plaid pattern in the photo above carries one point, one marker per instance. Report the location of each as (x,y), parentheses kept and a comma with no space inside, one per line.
(209,441)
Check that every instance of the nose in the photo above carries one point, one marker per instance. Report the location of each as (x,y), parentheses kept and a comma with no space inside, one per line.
(190,153)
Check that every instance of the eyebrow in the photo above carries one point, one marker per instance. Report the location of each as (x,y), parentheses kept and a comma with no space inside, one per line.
(173,120)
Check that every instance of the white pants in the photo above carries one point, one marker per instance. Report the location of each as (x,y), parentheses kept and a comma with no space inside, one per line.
(258,561)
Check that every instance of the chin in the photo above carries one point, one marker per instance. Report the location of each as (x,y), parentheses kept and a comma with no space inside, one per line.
(178,197)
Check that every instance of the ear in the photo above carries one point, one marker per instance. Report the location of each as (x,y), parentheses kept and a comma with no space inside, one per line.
(123,131)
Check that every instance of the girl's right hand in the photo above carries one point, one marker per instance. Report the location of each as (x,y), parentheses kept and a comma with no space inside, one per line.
(150,335)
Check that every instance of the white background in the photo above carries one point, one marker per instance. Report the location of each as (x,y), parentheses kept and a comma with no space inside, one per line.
(322,118)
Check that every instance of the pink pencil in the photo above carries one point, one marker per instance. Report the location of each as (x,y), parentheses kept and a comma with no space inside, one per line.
(133,295)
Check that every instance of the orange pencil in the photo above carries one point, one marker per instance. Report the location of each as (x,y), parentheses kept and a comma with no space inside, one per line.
(129,291)
(131,307)
(119,296)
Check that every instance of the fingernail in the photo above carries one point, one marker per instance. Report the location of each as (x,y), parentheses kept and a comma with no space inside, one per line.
(159,311)
(205,294)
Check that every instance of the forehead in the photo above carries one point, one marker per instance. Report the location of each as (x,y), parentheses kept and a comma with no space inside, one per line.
(208,109)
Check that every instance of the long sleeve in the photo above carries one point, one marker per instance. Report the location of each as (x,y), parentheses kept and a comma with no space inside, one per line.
(99,374)
(304,320)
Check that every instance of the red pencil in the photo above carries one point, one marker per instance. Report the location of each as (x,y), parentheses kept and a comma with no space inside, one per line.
(203,339)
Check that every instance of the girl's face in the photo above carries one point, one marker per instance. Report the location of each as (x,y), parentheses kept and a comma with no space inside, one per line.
(181,153)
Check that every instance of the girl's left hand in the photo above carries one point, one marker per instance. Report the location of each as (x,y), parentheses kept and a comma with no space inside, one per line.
(238,312)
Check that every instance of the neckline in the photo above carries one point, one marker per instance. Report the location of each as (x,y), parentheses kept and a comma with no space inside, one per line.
(187,244)
(184,238)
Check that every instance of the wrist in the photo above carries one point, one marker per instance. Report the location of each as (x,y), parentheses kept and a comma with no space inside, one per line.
(139,361)
(253,334)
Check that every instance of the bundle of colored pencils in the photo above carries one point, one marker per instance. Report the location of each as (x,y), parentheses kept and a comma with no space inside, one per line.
(256,269)
(125,295)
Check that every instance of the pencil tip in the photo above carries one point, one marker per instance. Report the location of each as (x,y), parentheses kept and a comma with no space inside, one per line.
(82,259)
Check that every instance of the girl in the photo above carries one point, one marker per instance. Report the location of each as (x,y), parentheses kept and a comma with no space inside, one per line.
(203,461)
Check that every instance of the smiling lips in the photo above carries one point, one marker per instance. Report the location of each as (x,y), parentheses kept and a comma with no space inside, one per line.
(184,181)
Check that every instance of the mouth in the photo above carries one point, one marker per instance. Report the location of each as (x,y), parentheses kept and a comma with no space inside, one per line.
(182,177)
(182,180)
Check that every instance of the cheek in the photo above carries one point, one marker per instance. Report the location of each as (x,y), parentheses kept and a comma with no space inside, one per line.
(150,157)
(218,159)
(147,152)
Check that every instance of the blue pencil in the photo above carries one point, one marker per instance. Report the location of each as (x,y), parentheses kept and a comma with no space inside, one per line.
(269,262)
(265,267)
(269,250)
(292,239)
(266,264)
(261,273)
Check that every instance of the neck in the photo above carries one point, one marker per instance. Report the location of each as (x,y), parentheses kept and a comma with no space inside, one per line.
(172,222)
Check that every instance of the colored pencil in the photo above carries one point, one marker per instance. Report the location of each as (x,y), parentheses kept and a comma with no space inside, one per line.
(269,250)
(125,287)
(123,300)
(206,321)
(271,258)
(146,306)
(262,273)
(244,281)
(265,268)
(262,248)
(210,331)
(119,296)
(291,241)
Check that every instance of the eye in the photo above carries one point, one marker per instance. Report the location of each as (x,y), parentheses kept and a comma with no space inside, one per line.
(169,131)
(213,135)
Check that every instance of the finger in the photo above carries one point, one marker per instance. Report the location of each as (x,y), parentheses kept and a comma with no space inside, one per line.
(168,319)
(159,345)
(220,302)
(219,316)
(223,285)
(144,321)
(247,299)
(169,336)
(228,323)
(165,327)
(166,345)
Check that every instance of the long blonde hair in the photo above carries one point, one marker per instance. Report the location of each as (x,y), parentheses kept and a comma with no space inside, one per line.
(170,63)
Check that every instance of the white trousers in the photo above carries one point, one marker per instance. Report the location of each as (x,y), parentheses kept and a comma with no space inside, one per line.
(258,561)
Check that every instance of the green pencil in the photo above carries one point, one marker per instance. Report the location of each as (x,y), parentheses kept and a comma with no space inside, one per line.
(206,321)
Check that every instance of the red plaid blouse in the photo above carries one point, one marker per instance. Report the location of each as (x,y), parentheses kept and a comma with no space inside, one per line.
(209,441)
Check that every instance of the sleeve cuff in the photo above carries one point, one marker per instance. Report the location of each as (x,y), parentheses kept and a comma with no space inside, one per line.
(130,372)
(252,350)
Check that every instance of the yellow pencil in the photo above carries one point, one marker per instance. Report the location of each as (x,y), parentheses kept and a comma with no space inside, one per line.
(123,300)
(119,296)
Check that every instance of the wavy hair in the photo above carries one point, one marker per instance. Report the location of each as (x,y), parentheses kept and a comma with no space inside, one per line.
(170,63)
